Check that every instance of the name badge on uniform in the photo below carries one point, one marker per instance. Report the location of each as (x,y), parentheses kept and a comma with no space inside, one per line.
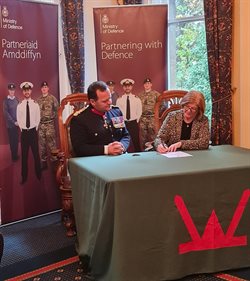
(118,122)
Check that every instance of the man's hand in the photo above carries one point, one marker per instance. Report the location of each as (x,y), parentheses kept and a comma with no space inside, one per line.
(115,148)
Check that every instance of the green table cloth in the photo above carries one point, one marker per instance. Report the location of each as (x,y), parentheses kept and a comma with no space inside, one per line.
(145,217)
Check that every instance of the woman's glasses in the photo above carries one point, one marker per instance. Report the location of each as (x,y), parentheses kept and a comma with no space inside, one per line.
(192,109)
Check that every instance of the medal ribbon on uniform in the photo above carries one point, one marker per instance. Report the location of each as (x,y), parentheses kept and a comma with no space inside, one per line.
(105,121)
(102,114)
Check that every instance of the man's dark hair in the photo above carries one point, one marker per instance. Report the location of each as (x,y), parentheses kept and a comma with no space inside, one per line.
(98,85)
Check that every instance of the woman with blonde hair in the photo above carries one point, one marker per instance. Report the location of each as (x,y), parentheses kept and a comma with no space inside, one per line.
(186,129)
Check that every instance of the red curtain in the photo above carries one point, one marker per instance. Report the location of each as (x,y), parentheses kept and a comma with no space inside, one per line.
(73,39)
(218,20)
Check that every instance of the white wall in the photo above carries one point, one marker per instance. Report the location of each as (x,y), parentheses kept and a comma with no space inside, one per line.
(241,74)
(64,86)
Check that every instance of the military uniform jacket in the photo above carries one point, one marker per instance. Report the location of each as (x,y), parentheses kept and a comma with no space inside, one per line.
(89,132)
(114,97)
(9,111)
(135,106)
(170,132)
(34,114)
(148,100)
(48,106)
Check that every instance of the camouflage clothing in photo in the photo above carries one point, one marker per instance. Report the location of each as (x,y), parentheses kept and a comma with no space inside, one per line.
(147,124)
(47,133)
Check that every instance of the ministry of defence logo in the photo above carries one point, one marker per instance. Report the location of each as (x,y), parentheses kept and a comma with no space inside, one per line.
(6,22)
(105,19)
(5,12)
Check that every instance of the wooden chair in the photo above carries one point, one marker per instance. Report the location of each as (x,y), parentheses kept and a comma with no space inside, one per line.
(168,101)
(68,106)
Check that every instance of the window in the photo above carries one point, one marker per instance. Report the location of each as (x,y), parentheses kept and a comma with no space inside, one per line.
(187,54)
(47,1)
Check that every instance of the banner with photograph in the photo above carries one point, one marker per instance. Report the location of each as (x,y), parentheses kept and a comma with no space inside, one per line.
(131,42)
(28,52)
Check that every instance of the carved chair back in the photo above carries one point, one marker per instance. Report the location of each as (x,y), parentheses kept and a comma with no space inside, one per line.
(168,101)
(68,106)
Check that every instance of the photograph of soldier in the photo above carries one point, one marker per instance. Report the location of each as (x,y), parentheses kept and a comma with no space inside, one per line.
(131,108)
(114,94)
(28,118)
(10,103)
(147,125)
(47,132)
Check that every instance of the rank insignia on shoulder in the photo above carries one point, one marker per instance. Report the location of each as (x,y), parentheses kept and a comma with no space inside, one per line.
(114,106)
(118,122)
(79,111)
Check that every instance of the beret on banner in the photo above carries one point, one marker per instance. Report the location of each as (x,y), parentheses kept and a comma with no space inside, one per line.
(110,83)
(44,83)
(26,85)
(147,80)
(127,81)
(11,86)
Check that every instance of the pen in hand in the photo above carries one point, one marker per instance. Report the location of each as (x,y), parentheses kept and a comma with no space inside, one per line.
(164,145)
(162,148)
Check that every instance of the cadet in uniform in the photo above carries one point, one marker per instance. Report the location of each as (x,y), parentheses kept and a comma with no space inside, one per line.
(147,123)
(131,108)
(100,128)
(28,118)
(47,134)
(114,95)
(9,111)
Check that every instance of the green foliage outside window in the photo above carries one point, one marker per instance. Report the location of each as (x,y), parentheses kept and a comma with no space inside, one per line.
(188,8)
(188,53)
(191,60)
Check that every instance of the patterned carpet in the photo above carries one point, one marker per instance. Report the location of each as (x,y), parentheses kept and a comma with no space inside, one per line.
(34,243)
(38,250)
(70,269)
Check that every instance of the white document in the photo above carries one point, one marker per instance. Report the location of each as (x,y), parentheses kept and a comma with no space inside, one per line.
(176,154)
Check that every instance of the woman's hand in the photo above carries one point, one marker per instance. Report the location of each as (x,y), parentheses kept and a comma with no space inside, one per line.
(174,147)
(162,148)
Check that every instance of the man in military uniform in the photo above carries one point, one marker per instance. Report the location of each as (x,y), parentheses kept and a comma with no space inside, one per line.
(147,123)
(131,108)
(9,111)
(28,118)
(47,134)
(114,94)
(100,128)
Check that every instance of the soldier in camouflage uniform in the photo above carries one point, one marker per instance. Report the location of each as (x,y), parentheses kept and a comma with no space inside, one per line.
(47,134)
(147,124)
